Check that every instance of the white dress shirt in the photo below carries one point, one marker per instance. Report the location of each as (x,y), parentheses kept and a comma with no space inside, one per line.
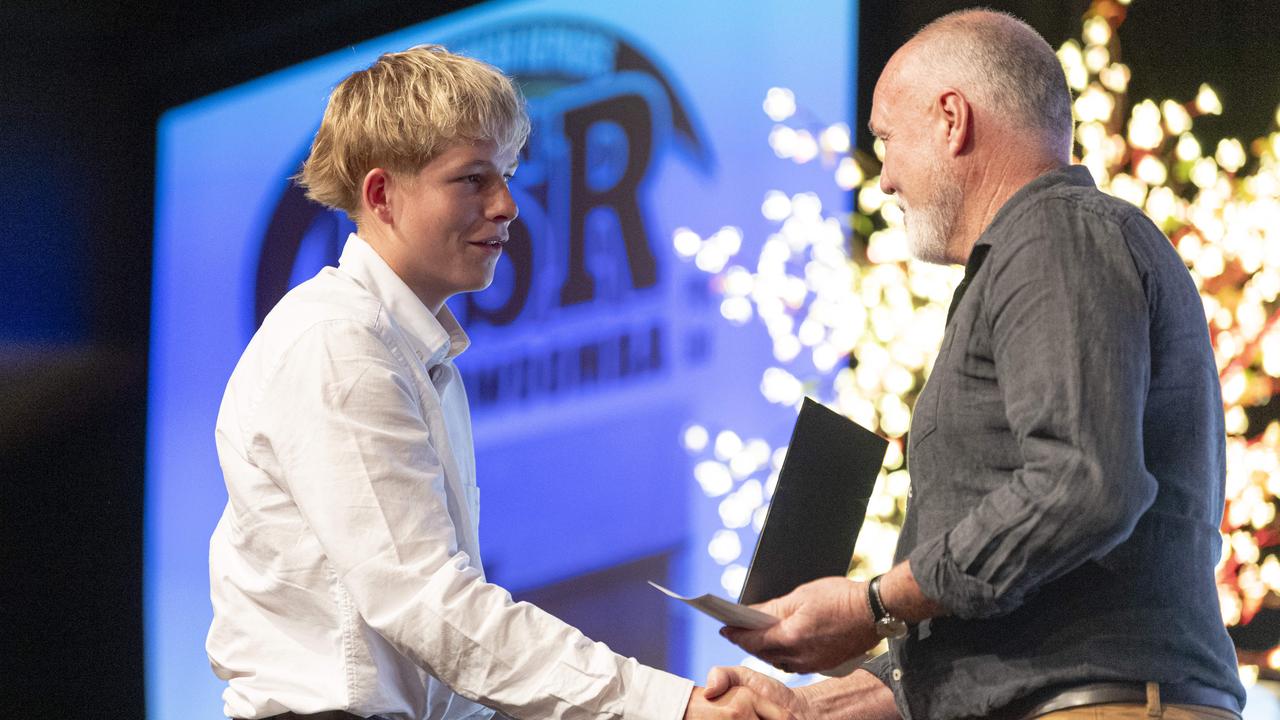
(345,570)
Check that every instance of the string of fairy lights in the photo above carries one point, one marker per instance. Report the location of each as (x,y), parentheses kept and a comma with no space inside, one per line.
(822,304)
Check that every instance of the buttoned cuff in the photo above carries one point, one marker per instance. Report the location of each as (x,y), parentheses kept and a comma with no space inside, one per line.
(656,695)
(942,580)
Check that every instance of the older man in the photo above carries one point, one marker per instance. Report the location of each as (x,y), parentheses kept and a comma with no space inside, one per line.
(1066,454)
(345,570)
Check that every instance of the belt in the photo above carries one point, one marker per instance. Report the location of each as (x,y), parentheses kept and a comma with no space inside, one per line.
(325,715)
(1180,693)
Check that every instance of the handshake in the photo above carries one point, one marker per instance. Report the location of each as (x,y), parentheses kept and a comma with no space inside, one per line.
(822,624)
(742,694)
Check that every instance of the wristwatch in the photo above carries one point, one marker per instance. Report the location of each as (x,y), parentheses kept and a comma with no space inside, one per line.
(887,626)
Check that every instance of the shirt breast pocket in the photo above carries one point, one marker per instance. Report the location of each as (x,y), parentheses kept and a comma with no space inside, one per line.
(924,416)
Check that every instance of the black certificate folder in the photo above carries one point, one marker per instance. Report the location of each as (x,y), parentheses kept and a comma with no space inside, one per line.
(818,504)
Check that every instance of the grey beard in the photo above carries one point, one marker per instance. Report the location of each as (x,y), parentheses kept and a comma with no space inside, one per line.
(930,226)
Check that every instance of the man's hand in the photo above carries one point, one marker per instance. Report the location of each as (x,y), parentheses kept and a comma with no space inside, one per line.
(736,703)
(857,696)
(823,623)
(721,679)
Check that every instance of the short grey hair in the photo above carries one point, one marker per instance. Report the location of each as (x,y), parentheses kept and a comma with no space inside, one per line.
(1011,67)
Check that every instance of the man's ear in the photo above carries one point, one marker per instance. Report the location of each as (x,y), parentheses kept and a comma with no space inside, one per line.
(376,197)
(958,118)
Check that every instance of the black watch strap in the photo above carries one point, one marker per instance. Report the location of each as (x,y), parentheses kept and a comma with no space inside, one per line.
(886,625)
(878,611)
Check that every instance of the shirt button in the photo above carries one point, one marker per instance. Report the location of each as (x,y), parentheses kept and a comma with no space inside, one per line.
(897,675)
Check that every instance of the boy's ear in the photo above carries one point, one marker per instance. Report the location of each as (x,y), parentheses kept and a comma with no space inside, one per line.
(377,199)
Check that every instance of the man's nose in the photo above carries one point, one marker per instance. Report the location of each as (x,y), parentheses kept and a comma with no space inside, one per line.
(886,184)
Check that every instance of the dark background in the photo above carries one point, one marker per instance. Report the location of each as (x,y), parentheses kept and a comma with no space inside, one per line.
(81,86)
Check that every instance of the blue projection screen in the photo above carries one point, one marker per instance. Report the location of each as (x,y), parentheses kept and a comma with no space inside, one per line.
(598,344)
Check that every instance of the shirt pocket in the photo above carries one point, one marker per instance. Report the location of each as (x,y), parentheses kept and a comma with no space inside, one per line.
(924,416)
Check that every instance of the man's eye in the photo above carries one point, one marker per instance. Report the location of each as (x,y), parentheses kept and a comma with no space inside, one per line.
(474,179)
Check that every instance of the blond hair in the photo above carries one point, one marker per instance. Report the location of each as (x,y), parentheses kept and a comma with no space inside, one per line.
(400,113)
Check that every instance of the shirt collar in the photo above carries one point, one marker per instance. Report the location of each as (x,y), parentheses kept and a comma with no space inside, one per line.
(1066,175)
(435,338)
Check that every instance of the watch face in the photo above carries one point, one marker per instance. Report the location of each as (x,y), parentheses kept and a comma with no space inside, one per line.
(891,627)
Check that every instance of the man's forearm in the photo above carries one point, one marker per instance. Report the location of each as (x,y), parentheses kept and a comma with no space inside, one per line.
(903,598)
(857,696)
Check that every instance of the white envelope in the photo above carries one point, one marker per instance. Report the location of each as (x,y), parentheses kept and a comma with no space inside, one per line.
(729,613)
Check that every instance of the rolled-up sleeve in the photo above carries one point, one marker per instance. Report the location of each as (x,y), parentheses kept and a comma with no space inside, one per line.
(1068,324)
(355,454)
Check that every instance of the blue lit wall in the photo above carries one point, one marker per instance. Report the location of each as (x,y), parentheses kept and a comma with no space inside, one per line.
(596,345)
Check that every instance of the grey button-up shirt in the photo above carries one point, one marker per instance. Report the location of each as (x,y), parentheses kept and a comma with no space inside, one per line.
(1067,467)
